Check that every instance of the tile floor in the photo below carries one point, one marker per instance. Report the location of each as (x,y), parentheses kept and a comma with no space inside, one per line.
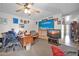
(40,48)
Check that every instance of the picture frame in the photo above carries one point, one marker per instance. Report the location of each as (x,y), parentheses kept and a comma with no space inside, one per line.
(25,22)
(3,20)
(21,25)
(58,22)
(15,21)
(21,21)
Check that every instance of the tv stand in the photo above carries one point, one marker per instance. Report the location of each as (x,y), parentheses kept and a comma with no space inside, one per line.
(43,34)
(53,35)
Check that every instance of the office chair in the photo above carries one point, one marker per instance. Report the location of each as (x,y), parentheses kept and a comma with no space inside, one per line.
(10,41)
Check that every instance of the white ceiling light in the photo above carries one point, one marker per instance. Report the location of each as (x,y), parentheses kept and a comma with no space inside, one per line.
(27,11)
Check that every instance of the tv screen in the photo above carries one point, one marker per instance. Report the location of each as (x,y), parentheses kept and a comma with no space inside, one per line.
(46,24)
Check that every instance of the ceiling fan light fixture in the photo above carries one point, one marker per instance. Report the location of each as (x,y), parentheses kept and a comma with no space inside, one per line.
(29,5)
(29,11)
(25,11)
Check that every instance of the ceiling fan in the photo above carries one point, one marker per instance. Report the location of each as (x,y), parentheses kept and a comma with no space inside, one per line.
(27,8)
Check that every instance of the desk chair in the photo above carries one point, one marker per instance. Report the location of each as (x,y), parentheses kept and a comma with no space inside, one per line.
(34,35)
(0,42)
(10,41)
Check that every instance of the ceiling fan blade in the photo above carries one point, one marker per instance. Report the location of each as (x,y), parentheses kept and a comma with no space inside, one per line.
(19,4)
(26,4)
(37,11)
(29,14)
(31,3)
(18,10)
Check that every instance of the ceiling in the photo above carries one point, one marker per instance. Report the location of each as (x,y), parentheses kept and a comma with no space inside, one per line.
(47,9)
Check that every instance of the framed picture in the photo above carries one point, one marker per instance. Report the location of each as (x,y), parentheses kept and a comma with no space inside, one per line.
(56,19)
(25,22)
(63,21)
(21,21)
(3,20)
(15,20)
(58,22)
(21,25)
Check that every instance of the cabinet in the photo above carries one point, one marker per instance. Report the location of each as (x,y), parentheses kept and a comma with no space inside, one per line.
(43,34)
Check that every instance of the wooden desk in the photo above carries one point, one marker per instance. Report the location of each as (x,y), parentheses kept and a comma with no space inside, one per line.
(35,36)
(26,40)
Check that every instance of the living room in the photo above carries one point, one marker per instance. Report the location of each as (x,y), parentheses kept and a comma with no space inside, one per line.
(45,25)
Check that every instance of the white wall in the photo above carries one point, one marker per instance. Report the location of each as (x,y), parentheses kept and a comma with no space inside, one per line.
(5,27)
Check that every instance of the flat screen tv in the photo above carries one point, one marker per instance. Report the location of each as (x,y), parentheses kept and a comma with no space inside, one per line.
(46,24)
